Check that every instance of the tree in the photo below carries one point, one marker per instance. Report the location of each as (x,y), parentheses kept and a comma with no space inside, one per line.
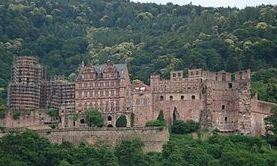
(121,121)
(94,118)
(130,153)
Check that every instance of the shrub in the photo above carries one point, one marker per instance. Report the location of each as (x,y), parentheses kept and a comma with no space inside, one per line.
(121,121)
(53,113)
(181,127)
(155,123)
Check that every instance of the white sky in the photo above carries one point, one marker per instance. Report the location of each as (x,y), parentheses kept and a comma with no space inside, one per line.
(215,3)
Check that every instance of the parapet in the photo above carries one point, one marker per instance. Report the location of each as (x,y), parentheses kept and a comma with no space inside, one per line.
(243,75)
(176,75)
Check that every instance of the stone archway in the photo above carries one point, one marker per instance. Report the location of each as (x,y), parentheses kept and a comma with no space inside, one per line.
(176,115)
(110,125)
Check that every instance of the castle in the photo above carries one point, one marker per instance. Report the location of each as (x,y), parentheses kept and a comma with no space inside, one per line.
(217,100)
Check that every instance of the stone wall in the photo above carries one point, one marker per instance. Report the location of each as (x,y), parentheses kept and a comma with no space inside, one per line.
(153,138)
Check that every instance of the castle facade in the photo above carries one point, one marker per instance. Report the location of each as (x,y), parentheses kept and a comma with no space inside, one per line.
(217,100)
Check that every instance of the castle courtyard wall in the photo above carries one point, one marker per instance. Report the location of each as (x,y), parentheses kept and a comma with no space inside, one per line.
(153,138)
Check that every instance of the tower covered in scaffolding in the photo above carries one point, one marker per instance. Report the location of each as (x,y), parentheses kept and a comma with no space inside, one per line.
(25,84)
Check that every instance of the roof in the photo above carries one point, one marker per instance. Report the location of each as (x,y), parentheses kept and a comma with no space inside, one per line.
(100,68)
(119,67)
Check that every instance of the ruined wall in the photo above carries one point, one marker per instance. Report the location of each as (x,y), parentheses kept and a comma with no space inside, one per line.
(24,118)
(141,103)
(153,138)
(259,110)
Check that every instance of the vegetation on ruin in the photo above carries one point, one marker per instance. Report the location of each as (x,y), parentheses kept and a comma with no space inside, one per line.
(2,111)
(160,122)
(93,118)
(53,113)
(121,121)
(16,115)
(148,37)
(30,149)
(271,127)
(182,127)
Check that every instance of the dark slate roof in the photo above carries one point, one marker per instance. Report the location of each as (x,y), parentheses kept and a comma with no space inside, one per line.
(119,67)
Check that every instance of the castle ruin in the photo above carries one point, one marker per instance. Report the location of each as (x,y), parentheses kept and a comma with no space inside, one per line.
(217,100)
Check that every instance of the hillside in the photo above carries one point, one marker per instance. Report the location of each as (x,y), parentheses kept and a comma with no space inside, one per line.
(148,37)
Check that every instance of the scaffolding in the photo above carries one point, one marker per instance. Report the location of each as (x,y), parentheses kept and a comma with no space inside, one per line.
(25,85)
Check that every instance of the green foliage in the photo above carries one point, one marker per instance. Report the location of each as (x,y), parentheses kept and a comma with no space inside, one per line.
(149,37)
(271,122)
(265,84)
(29,148)
(181,127)
(160,122)
(130,153)
(121,121)
(2,111)
(155,123)
(16,115)
(53,113)
(94,118)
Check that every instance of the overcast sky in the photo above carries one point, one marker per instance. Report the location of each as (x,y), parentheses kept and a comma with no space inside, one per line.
(215,3)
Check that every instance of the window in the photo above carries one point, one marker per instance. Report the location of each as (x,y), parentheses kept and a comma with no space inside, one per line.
(230,85)
(223,76)
(225,119)
(197,72)
(174,74)
(171,97)
(109,118)
(223,107)
(193,97)
(179,74)
(182,97)
(191,73)
(82,121)
(161,98)
(240,75)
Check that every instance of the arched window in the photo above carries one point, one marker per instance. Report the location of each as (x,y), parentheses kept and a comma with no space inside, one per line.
(225,119)
(110,118)
(193,97)
(171,97)
(182,97)
(82,121)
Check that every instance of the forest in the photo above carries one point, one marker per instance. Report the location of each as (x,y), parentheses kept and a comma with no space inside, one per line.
(150,38)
